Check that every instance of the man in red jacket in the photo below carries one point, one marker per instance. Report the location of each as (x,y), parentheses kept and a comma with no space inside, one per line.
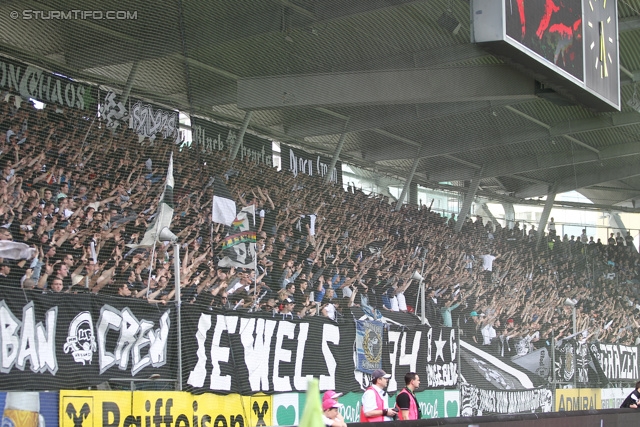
(406,400)
(375,401)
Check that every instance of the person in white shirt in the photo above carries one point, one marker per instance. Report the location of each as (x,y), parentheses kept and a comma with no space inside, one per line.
(331,414)
(375,400)
(402,302)
(487,265)
(489,332)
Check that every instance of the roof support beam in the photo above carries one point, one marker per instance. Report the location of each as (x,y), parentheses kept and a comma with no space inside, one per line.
(594,123)
(381,116)
(407,183)
(583,180)
(548,204)
(463,142)
(468,199)
(616,221)
(509,214)
(546,126)
(537,162)
(334,158)
(487,212)
(132,76)
(479,83)
(563,129)
(238,143)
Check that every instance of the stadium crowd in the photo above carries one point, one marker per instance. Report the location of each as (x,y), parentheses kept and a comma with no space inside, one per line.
(78,193)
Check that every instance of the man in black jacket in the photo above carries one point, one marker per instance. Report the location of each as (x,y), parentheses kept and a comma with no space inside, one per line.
(632,400)
(432,311)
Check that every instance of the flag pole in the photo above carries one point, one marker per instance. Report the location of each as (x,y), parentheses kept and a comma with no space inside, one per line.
(153,250)
(153,253)
(178,295)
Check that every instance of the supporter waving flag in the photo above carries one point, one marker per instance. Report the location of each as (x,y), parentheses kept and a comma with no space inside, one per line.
(239,248)
(163,215)
(223,208)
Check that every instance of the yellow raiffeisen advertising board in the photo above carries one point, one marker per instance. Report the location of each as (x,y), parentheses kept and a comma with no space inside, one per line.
(162,409)
(578,399)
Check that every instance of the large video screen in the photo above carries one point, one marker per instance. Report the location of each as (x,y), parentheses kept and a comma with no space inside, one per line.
(551,29)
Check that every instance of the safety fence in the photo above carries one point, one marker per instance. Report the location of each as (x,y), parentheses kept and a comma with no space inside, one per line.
(59,342)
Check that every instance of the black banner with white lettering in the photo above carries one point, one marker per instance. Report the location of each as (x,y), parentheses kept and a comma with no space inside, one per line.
(618,362)
(150,121)
(212,138)
(144,119)
(231,352)
(51,341)
(33,82)
(298,161)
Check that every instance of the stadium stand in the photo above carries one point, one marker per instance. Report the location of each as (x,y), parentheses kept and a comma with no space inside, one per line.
(71,185)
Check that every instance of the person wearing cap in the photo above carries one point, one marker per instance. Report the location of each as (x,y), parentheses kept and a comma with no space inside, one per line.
(375,401)
(331,394)
(331,415)
(330,407)
(286,308)
(406,400)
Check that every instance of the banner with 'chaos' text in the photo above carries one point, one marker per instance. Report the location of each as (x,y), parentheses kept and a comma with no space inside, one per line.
(33,82)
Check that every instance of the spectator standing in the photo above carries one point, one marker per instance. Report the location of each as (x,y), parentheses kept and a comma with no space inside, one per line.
(432,311)
(487,265)
(375,400)
(406,402)
(552,228)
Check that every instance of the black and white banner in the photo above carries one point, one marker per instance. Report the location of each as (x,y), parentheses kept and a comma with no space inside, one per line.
(52,341)
(150,121)
(146,120)
(575,359)
(212,138)
(32,82)
(476,401)
(618,362)
(298,161)
(489,372)
(537,362)
(229,352)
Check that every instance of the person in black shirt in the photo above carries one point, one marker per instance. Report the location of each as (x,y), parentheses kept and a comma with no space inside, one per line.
(406,402)
(632,400)
(5,270)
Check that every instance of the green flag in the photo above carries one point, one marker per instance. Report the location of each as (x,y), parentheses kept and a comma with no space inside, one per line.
(312,413)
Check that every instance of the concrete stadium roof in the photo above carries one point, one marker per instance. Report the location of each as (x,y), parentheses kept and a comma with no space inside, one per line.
(383,71)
